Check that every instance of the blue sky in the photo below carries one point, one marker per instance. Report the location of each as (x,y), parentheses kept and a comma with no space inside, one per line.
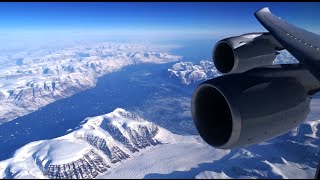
(146,20)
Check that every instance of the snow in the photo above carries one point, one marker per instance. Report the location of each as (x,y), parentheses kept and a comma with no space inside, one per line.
(212,175)
(61,151)
(188,73)
(290,170)
(49,75)
(285,58)
(122,145)
(293,155)
(97,143)
(164,160)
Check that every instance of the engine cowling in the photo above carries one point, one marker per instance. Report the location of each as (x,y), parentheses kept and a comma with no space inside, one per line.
(237,110)
(241,53)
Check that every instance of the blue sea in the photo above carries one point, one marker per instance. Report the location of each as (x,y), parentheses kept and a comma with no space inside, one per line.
(130,88)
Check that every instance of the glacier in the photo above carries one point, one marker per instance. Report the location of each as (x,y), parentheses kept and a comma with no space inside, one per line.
(103,145)
(121,144)
(31,79)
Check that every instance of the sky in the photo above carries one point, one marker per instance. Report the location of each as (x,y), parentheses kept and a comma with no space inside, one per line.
(161,20)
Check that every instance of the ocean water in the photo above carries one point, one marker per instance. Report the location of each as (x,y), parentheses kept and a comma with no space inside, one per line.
(193,50)
(129,88)
(145,89)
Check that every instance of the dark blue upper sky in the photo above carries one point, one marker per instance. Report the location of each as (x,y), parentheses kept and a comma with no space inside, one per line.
(170,20)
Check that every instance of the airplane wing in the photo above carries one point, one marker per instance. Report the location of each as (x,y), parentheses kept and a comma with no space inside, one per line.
(227,110)
(302,44)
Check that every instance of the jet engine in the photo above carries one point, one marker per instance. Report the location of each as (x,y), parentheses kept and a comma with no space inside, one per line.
(241,53)
(237,110)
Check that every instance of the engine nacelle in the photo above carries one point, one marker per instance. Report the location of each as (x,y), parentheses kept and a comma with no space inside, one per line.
(241,53)
(237,110)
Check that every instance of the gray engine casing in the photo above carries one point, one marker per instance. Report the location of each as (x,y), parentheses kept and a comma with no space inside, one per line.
(237,110)
(241,53)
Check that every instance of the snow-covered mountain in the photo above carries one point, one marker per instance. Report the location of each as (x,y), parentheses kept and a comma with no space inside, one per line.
(285,58)
(102,145)
(32,79)
(189,73)
(123,145)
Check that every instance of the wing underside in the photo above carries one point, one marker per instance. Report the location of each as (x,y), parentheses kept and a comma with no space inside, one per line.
(302,44)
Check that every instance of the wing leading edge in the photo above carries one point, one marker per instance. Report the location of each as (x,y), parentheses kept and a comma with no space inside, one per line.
(302,44)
